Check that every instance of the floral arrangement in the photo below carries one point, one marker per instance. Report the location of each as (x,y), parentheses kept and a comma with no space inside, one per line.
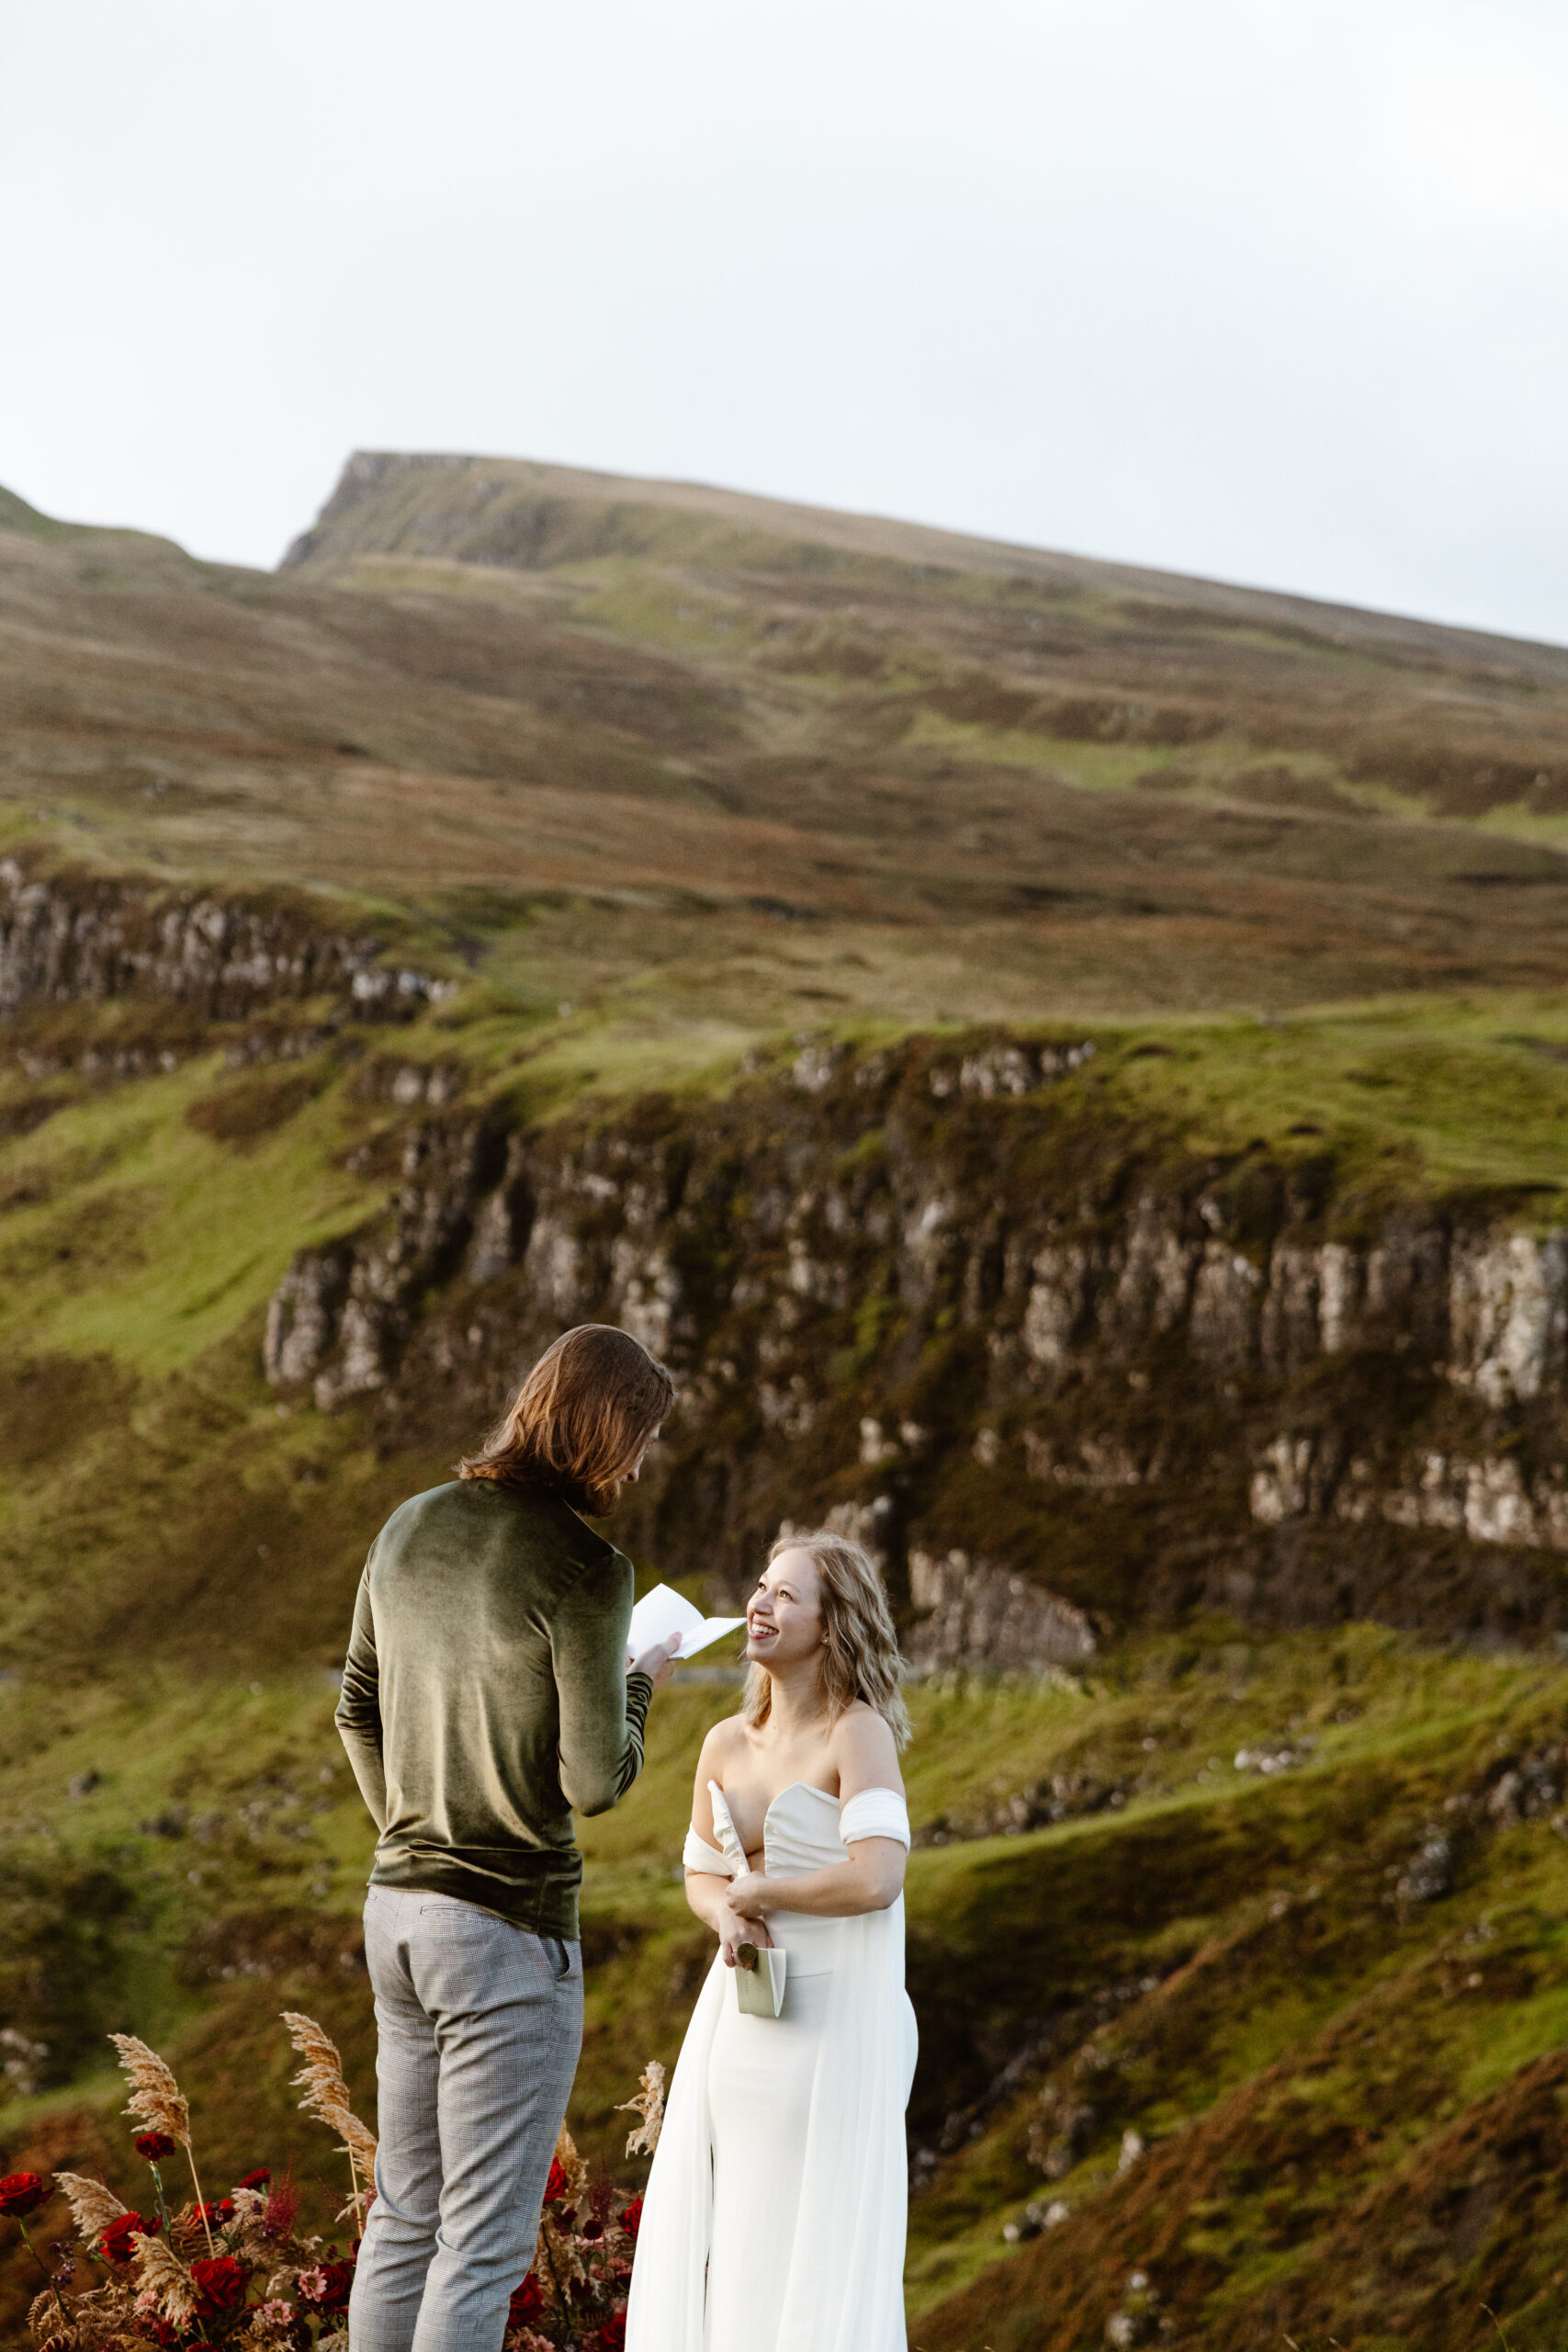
(576,2291)
(233,2270)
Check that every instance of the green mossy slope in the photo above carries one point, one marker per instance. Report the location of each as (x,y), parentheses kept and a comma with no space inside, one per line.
(1340,2061)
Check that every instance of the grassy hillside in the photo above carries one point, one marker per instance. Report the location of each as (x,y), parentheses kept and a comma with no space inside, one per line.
(1238,1945)
(801,768)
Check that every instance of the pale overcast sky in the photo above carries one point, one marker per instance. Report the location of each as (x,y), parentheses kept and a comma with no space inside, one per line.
(1269,289)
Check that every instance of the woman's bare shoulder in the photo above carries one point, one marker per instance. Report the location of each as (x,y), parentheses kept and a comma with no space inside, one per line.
(724,1739)
(864,1750)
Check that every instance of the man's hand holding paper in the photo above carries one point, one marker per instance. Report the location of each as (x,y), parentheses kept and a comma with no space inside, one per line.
(664,1617)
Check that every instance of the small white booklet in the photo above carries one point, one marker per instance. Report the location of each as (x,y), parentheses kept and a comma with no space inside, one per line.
(760,1980)
(662,1613)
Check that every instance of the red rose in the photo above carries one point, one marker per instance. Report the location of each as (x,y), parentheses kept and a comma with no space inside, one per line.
(154,2145)
(220,2286)
(612,2336)
(557,2188)
(22,2193)
(122,2233)
(631,2218)
(257,2179)
(525,2300)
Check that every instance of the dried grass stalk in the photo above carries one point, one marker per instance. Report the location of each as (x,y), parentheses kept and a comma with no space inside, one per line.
(161,2274)
(326,2095)
(157,2101)
(52,2330)
(649,2104)
(570,2163)
(93,2206)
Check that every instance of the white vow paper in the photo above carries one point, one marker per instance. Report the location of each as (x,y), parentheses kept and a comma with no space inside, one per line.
(660,1614)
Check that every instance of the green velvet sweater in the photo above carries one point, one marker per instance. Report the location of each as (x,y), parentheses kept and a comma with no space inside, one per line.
(485,1694)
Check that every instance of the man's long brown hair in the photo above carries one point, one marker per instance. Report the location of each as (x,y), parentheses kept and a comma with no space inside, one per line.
(581,1420)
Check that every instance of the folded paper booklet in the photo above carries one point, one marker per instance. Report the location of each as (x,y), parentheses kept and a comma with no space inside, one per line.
(760,1979)
(662,1613)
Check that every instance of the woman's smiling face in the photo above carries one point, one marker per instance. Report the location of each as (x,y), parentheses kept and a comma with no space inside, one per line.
(784,1616)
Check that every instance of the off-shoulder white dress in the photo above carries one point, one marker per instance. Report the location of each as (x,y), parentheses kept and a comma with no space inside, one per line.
(775,2213)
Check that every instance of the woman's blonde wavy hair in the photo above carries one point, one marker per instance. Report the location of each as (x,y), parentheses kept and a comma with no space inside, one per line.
(861,1657)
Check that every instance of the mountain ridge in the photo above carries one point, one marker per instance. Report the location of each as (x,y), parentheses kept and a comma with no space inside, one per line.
(367,471)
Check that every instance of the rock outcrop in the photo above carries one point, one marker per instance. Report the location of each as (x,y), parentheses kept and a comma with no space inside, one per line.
(340,1315)
(71,938)
(970,1613)
(1053,1375)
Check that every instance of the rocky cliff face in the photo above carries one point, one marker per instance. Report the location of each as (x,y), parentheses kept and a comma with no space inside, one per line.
(76,938)
(1058,1374)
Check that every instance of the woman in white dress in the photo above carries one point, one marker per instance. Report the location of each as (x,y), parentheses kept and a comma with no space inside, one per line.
(775,2213)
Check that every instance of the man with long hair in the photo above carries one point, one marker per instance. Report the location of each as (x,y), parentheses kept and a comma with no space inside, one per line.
(486,1693)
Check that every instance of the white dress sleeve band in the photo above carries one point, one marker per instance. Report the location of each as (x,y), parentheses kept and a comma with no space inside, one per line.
(875,1813)
(697,1855)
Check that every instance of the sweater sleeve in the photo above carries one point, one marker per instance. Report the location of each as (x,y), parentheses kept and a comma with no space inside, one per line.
(603,1709)
(358,1713)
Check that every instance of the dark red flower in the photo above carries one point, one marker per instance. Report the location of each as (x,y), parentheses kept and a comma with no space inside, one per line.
(154,2145)
(118,2240)
(22,2193)
(631,2217)
(525,2300)
(592,2229)
(216,2213)
(257,2179)
(283,2203)
(612,2336)
(327,2287)
(161,2332)
(220,2286)
(557,2188)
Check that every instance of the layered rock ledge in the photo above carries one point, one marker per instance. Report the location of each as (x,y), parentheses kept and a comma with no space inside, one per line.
(1058,1370)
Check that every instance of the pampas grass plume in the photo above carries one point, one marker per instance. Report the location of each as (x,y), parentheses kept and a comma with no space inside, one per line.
(163,2276)
(156,2099)
(326,2093)
(93,2206)
(649,2104)
(326,2097)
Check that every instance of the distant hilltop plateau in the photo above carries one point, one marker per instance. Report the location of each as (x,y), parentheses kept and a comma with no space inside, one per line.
(522,514)
(941,776)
